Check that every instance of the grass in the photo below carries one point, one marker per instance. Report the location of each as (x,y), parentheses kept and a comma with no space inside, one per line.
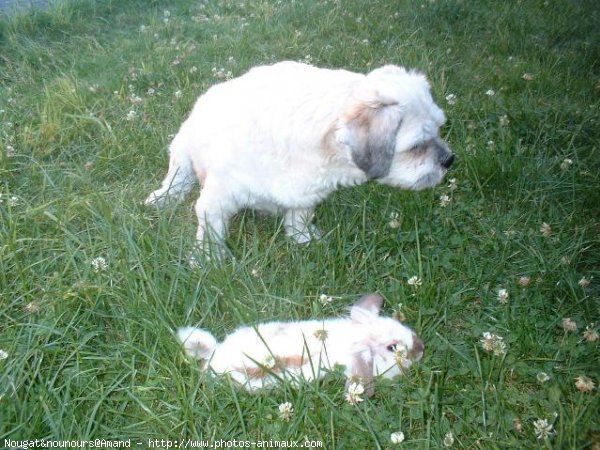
(90,354)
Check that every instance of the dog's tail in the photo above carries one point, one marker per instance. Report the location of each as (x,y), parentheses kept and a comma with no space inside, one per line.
(197,343)
(180,178)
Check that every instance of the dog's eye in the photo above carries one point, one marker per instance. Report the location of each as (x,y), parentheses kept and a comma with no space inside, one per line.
(419,149)
(391,347)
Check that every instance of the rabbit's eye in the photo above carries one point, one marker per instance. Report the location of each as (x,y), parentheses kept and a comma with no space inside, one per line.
(391,347)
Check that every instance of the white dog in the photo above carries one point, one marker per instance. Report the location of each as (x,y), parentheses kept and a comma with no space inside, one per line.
(281,138)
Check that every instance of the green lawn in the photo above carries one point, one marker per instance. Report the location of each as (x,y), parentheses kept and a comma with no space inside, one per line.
(91,93)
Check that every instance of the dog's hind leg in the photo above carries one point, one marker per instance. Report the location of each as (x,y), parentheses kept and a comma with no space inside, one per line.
(214,208)
(180,178)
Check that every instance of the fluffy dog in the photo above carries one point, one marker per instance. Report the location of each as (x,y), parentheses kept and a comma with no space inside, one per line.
(281,138)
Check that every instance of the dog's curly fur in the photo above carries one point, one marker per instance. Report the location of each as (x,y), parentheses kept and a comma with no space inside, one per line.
(281,138)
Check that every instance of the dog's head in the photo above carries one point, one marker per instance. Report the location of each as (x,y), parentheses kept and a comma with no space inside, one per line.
(391,127)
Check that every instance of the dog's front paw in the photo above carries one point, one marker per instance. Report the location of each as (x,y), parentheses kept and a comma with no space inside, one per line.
(298,226)
(304,237)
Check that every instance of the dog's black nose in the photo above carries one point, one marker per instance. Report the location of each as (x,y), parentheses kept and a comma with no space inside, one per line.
(446,163)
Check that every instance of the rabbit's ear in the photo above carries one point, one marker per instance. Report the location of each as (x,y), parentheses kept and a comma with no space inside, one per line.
(366,308)
(362,371)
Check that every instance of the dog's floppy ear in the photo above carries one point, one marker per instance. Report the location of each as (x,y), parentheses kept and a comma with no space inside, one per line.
(369,126)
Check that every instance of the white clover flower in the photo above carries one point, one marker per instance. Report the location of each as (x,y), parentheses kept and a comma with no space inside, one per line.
(528,76)
(524,281)
(401,355)
(490,92)
(3,354)
(542,377)
(566,164)
(584,282)
(325,299)
(503,296)
(32,308)
(444,200)
(178,94)
(10,151)
(493,343)
(518,425)
(451,99)
(143,28)
(504,121)
(131,115)
(354,392)
(546,230)
(398,314)
(221,74)
(590,335)
(569,324)
(542,428)
(584,384)
(321,334)
(194,69)
(99,264)
(13,200)
(394,220)
(133,75)
(414,281)
(397,437)
(448,439)
(268,362)
(135,99)
(452,184)
(286,411)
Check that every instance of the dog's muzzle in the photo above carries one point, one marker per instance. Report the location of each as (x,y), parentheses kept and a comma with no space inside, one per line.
(444,154)
(447,161)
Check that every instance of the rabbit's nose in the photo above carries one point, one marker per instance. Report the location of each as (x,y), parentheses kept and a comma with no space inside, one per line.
(416,352)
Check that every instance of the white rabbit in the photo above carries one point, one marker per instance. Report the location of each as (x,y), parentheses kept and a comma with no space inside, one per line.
(365,344)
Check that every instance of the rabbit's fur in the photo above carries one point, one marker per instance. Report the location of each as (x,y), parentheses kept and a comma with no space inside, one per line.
(364,343)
